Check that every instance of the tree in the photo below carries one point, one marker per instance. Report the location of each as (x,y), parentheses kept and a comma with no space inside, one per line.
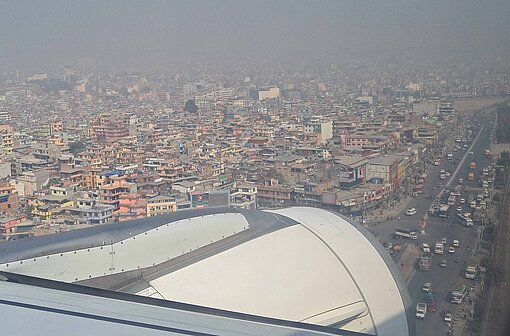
(190,106)
(76,147)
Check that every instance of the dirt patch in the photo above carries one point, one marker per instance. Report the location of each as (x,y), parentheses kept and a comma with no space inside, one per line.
(407,261)
(497,149)
(470,105)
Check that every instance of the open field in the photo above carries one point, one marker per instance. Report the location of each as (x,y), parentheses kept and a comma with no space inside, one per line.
(470,105)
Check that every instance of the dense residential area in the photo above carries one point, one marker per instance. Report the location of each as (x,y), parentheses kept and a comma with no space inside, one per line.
(86,149)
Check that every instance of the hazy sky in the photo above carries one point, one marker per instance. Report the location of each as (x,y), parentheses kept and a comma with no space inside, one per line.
(145,34)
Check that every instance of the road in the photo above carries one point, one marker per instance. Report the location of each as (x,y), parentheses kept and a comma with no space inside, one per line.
(444,280)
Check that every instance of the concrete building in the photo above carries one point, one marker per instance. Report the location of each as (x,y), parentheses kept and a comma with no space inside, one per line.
(350,171)
(267,93)
(244,196)
(89,212)
(160,205)
(32,181)
(6,139)
(9,200)
(384,170)
(317,124)
(445,108)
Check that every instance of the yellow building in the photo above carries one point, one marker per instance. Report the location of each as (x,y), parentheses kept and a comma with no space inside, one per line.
(161,205)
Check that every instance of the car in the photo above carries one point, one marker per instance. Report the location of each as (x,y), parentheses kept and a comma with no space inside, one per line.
(447,315)
(430,299)
(447,173)
(443,240)
(421,310)
(451,249)
(471,153)
(426,287)
(462,201)
(426,248)
(461,180)
(411,212)
(442,171)
(459,209)
(442,263)
(455,243)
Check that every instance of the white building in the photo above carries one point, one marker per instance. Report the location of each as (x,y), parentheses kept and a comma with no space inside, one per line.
(272,92)
(317,124)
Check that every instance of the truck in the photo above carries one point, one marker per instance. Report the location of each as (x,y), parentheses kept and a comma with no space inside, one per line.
(470,272)
(472,165)
(451,200)
(464,220)
(424,263)
(439,248)
(471,176)
(404,233)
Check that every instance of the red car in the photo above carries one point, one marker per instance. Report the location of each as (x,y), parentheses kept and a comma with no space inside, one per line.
(430,299)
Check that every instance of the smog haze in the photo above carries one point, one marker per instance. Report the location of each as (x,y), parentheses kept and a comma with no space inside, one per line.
(154,35)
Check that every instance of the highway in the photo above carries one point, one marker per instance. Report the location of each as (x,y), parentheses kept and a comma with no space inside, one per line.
(444,280)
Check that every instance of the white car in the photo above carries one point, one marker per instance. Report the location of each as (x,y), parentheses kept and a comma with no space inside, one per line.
(447,316)
(426,287)
(411,212)
(421,310)
(451,249)
(459,209)
(426,248)
(455,243)
(471,153)
(447,173)
(462,201)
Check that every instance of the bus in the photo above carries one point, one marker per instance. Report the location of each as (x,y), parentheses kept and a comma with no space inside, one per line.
(443,211)
(404,233)
(458,295)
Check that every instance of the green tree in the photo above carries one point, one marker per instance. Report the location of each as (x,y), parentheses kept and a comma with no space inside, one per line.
(190,106)
(76,147)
